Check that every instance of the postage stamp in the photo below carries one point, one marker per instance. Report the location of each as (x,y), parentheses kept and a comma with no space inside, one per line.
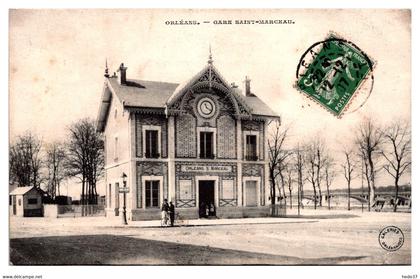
(332,71)
(391,238)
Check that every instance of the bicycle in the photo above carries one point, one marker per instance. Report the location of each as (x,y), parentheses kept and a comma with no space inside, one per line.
(180,221)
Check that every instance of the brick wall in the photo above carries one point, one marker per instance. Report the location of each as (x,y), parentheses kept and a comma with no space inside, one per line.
(151,169)
(250,125)
(185,130)
(156,120)
(226,137)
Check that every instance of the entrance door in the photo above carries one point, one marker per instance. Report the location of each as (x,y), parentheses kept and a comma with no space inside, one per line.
(251,193)
(206,198)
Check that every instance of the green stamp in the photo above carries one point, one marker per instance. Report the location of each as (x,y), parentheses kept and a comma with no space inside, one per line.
(331,73)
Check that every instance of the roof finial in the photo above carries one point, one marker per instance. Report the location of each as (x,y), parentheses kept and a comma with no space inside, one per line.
(210,55)
(106,69)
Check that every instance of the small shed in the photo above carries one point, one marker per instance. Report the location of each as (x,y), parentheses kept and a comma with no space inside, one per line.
(25,202)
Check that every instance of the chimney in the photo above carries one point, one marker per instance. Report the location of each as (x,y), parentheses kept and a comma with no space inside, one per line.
(233,85)
(106,74)
(248,87)
(122,74)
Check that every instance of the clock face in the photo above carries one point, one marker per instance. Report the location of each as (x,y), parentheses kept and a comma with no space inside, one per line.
(206,107)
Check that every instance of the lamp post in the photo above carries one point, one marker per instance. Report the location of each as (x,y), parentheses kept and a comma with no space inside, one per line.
(124,190)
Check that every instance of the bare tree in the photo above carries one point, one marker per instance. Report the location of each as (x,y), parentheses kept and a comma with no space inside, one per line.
(282,170)
(330,174)
(398,157)
(316,159)
(277,158)
(320,164)
(85,159)
(55,158)
(369,139)
(299,169)
(310,160)
(289,181)
(349,167)
(25,160)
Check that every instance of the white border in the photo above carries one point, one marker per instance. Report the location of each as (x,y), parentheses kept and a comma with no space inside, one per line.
(116,147)
(214,178)
(151,128)
(251,133)
(205,272)
(206,129)
(143,189)
(258,185)
(200,111)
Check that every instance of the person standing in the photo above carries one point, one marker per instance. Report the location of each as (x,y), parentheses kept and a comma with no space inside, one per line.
(172,213)
(202,210)
(212,210)
(165,210)
(207,211)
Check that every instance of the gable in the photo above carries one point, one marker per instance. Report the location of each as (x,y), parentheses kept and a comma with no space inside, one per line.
(209,81)
(104,108)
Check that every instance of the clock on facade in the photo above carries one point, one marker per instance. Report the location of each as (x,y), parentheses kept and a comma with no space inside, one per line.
(206,107)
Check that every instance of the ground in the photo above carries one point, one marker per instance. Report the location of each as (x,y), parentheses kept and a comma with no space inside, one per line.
(316,237)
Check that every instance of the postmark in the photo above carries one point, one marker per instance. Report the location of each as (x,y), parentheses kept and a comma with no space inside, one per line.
(331,72)
(391,238)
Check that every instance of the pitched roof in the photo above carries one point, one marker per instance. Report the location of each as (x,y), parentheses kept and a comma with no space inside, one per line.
(157,94)
(21,190)
(143,93)
(259,107)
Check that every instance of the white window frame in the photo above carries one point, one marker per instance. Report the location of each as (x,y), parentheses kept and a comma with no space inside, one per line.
(116,144)
(143,183)
(109,190)
(252,178)
(117,199)
(190,182)
(207,129)
(151,128)
(214,178)
(234,190)
(252,133)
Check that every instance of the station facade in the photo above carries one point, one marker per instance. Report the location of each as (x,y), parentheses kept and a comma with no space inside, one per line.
(199,143)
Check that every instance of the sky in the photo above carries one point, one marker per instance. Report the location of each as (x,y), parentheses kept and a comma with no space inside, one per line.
(57,60)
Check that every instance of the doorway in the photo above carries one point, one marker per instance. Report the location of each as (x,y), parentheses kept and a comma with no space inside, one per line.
(14,204)
(206,203)
(251,196)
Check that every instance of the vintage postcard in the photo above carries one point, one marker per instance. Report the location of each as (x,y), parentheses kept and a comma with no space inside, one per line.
(210,137)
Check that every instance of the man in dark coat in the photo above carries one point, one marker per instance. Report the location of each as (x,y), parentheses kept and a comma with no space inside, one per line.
(172,213)
(165,210)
